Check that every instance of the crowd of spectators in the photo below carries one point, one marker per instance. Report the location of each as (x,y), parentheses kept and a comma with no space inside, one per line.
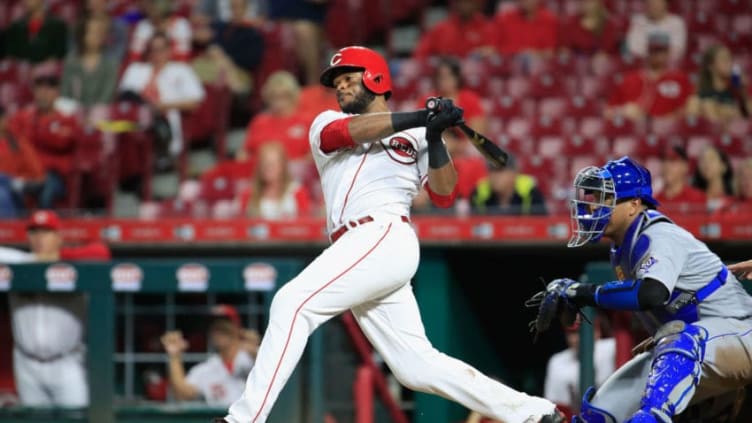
(560,83)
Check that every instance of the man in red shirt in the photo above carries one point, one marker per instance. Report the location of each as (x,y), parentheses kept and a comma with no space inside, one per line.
(656,90)
(527,27)
(465,31)
(677,195)
(20,169)
(53,133)
(46,241)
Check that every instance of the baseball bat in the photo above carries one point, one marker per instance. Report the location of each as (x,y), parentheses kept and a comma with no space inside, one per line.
(490,150)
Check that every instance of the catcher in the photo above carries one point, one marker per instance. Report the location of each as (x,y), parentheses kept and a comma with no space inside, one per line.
(699,315)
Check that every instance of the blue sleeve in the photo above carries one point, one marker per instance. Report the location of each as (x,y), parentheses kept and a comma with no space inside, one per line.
(619,295)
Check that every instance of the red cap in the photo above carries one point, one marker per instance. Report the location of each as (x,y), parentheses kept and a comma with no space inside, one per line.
(44,219)
(226,311)
(375,69)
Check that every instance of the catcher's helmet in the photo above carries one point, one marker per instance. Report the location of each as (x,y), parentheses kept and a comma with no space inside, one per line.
(598,189)
(375,70)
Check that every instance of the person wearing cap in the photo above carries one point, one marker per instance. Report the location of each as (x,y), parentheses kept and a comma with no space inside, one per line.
(220,378)
(677,194)
(52,129)
(656,18)
(562,381)
(507,191)
(655,91)
(465,31)
(20,170)
(48,328)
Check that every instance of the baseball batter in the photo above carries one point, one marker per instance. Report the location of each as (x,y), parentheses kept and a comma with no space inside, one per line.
(698,313)
(372,163)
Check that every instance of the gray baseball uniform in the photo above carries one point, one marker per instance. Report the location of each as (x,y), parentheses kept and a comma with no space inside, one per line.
(684,265)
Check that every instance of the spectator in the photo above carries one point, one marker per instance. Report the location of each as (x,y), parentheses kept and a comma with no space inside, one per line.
(447,81)
(471,167)
(306,19)
(239,37)
(222,10)
(591,31)
(677,195)
(170,87)
(509,192)
(466,31)
(273,193)
(527,27)
(714,176)
(37,36)
(220,379)
(20,170)
(90,75)
(562,382)
(655,91)
(744,185)
(48,328)
(212,64)
(721,96)
(52,128)
(115,33)
(316,98)
(280,120)
(656,18)
(160,19)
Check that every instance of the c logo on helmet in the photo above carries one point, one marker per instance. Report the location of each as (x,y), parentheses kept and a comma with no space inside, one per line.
(400,149)
(336,59)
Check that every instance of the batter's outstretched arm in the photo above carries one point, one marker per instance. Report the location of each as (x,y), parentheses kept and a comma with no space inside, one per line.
(373,126)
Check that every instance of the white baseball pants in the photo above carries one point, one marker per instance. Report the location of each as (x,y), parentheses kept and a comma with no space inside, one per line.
(368,271)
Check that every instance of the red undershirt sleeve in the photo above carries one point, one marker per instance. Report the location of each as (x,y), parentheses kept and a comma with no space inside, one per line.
(441,200)
(336,135)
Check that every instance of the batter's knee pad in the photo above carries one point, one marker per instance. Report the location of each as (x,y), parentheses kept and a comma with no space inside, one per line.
(675,371)
(590,413)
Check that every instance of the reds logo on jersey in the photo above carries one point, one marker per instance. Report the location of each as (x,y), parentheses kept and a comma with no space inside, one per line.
(400,149)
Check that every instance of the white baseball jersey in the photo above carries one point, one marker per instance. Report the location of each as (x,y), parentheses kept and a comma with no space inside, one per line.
(46,326)
(220,385)
(562,383)
(380,176)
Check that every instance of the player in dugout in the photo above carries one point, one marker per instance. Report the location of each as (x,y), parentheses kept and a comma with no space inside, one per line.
(698,314)
(49,328)
(219,380)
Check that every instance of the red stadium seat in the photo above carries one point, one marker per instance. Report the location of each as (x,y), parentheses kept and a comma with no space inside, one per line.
(551,146)
(579,107)
(523,146)
(618,126)
(518,87)
(696,143)
(552,126)
(555,107)
(735,146)
(695,126)
(592,127)
(625,145)
(551,85)
(577,145)
(518,127)
(506,107)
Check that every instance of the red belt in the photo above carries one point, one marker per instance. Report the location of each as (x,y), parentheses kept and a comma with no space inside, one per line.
(354,223)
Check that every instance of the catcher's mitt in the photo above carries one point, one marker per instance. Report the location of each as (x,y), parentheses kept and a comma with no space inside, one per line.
(552,303)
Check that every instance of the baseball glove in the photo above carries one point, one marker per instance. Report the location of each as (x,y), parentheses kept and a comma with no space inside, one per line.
(552,303)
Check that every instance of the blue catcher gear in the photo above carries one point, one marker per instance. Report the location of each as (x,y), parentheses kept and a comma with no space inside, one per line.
(674,373)
(597,191)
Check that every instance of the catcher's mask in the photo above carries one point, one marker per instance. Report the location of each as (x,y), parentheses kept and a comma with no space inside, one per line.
(598,190)
(592,205)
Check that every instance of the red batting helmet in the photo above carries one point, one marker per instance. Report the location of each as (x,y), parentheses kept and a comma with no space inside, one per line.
(355,58)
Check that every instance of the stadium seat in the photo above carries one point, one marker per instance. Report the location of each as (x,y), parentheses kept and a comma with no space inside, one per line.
(545,125)
(618,126)
(551,85)
(551,146)
(522,146)
(518,87)
(734,145)
(578,145)
(579,106)
(695,126)
(518,127)
(592,126)
(696,143)
(554,107)
(506,107)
